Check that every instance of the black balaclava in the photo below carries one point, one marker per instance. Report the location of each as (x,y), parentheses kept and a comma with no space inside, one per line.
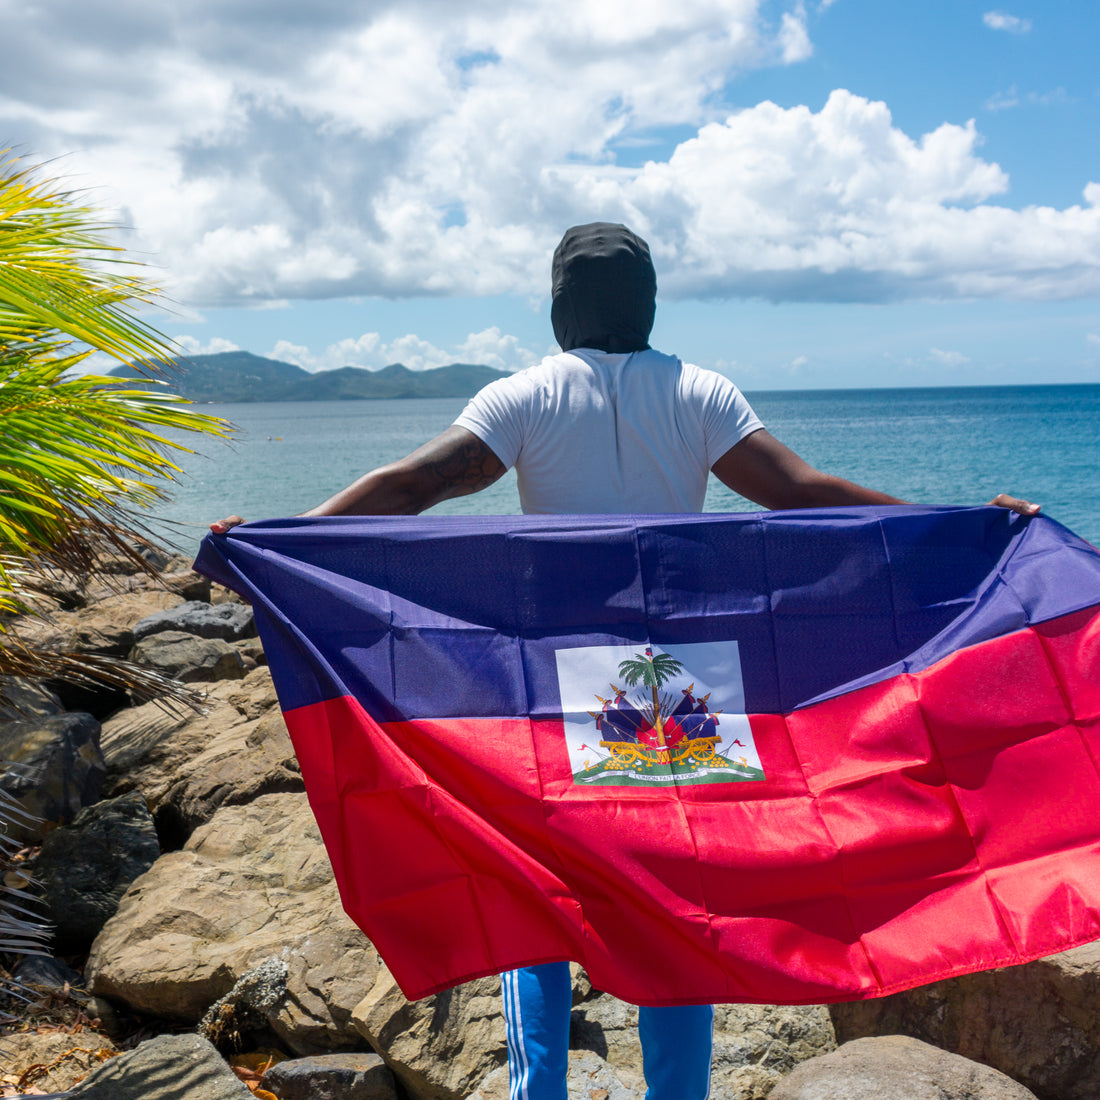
(604,289)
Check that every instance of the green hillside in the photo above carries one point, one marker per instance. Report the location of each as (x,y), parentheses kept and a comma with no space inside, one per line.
(242,376)
(396,380)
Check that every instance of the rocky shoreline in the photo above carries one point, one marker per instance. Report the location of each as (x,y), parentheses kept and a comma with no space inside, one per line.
(197,924)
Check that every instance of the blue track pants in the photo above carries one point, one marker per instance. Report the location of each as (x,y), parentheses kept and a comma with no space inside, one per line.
(676,1042)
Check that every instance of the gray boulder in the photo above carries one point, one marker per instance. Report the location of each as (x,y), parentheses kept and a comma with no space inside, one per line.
(56,590)
(896,1066)
(228,621)
(589,1076)
(1037,1022)
(87,867)
(170,1067)
(754,1045)
(441,1047)
(188,657)
(237,766)
(27,699)
(104,627)
(123,566)
(189,765)
(146,746)
(253,883)
(332,1077)
(184,581)
(52,767)
(45,972)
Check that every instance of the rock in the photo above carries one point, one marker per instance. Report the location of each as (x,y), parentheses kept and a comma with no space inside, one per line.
(1037,1023)
(52,766)
(63,591)
(896,1066)
(144,746)
(754,1045)
(218,594)
(28,699)
(122,566)
(228,621)
(63,1059)
(45,973)
(608,1028)
(50,975)
(189,658)
(143,739)
(105,626)
(188,765)
(187,583)
(251,698)
(332,1077)
(170,1067)
(441,1047)
(86,868)
(589,1077)
(252,883)
(251,650)
(237,766)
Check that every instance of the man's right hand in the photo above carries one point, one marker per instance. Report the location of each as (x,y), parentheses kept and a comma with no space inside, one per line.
(223,525)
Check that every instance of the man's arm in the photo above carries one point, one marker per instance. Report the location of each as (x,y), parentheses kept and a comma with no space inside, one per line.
(453,464)
(762,469)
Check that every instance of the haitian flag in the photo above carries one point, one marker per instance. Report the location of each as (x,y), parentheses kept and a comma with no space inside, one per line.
(787,757)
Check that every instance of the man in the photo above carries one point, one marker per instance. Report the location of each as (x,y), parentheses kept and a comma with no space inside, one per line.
(609,425)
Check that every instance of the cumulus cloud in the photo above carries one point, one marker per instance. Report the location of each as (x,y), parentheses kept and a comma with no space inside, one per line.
(189,345)
(1093,338)
(1000,21)
(357,147)
(490,347)
(794,37)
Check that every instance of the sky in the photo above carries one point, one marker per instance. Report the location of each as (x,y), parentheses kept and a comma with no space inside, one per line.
(836,193)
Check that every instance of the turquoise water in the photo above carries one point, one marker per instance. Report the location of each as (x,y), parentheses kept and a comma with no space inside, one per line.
(931,446)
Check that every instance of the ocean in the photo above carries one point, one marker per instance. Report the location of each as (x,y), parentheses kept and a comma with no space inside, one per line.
(932,446)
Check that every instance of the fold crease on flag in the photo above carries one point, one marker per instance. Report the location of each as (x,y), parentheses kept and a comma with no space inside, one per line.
(790,757)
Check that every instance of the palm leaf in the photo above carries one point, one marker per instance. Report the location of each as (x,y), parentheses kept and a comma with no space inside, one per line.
(82,457)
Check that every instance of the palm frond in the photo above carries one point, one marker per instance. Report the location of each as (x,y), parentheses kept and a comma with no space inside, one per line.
(82,456)
(60,274)
(22,928)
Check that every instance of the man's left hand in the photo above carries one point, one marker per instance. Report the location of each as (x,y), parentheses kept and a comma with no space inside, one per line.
(1014,504)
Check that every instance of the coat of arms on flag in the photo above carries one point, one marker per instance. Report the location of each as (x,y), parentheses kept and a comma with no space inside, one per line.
(648,716)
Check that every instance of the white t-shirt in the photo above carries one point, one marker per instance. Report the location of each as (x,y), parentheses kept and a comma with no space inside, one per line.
(589,431)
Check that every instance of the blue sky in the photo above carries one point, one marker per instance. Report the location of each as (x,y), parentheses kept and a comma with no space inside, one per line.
(844,193)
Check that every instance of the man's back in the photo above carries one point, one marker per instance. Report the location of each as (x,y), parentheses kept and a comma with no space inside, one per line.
(594,431)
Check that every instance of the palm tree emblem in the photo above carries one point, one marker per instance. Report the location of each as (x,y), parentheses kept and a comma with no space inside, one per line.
(652,672)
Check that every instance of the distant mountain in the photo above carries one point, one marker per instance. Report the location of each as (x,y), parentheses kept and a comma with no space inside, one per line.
(228,376)
(242,376)
(396,380)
